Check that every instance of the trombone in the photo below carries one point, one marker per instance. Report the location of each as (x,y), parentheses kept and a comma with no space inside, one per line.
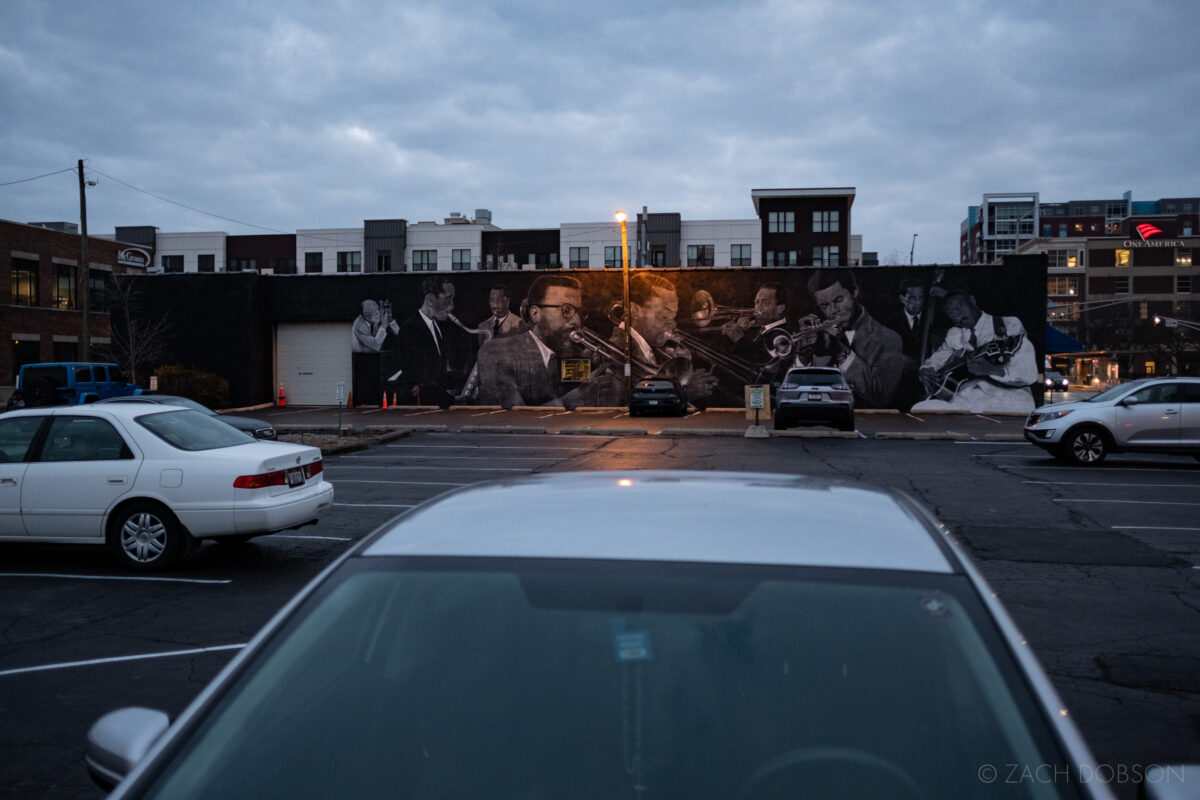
(706,311)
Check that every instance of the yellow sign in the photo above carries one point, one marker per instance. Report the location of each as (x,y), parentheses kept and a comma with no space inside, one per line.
(575,369)
(758,402)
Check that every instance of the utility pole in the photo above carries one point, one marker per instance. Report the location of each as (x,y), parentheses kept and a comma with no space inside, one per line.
(912,250)
(85,283)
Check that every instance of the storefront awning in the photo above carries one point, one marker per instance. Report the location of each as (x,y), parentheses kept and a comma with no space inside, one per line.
(1059,342)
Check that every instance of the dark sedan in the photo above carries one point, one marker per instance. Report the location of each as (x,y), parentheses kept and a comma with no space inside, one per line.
(658,396)
(259,429)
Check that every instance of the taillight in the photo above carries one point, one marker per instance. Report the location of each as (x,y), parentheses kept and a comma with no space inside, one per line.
(790,386)
(841,387)
(277,477)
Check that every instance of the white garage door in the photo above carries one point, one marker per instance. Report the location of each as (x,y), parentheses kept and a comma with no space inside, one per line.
(311,358)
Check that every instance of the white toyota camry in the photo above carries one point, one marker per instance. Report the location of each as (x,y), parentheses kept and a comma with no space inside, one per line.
(151,481)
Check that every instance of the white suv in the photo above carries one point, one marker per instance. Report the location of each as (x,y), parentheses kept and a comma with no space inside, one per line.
(1152,415)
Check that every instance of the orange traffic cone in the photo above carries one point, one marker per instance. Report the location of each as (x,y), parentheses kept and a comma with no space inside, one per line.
(384,400)
(350,400)
(282,396)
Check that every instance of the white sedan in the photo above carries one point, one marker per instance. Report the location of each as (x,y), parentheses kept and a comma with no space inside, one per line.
(151,481)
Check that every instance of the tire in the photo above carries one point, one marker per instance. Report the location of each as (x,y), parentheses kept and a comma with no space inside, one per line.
(780,424)
(1086,447)
(146,536)
(40,392)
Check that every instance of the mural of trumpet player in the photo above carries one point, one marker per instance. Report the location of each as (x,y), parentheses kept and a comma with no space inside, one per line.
(656,345)
(870,355)
(415,356)
(985,363)
(523,370)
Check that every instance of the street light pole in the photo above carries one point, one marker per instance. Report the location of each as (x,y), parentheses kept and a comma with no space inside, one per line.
(625,316)
(912,250)
(84,278)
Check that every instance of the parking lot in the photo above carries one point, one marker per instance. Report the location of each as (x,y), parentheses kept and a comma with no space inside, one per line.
(1100,567)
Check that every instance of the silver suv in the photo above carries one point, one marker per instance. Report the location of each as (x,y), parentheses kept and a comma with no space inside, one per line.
(1152,415)
(815,394)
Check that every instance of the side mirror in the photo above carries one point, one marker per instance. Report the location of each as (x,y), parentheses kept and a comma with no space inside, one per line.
(118,740)
(1131,400)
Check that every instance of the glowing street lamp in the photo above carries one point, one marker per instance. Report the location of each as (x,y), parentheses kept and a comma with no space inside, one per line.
(625,315)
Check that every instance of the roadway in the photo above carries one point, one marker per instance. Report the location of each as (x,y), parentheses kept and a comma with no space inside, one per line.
(1099,566)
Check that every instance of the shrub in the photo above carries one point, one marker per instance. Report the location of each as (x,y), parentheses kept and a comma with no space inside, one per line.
(207,388)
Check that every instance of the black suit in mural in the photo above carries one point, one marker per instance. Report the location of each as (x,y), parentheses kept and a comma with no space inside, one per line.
(414,365)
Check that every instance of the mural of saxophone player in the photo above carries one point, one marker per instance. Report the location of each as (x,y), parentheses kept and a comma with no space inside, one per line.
(523,370)
(992,354)
(870,354)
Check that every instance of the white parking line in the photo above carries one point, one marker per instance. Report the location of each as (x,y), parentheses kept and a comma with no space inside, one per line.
(117,659)
(107,577)
(582,447)
(989,419)
(399,483)
(370,505)
(1150,528)
(301,536)
(1125,485)
(1127,502)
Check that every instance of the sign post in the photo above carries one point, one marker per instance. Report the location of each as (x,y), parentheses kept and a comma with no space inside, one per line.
(341,396)
(758,404)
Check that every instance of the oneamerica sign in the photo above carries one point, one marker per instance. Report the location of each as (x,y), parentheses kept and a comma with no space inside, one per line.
(1154,243)
(133,257)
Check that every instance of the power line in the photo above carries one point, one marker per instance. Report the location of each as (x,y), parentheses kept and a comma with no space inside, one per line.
(189,208)
(37,177)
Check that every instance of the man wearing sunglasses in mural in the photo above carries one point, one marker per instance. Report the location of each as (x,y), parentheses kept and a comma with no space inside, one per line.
(654,304)
(524,370)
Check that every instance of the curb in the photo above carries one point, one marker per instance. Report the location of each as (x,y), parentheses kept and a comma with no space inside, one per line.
(802,434)
(945,436)
(702,432)
(501,429)
(603,431)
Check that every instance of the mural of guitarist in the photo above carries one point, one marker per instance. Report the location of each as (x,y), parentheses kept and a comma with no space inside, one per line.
(985,363)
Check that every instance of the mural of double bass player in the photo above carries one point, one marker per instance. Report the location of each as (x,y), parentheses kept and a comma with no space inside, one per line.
(715,331)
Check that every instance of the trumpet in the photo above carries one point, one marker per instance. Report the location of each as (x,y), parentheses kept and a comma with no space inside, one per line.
(484,332)
(705,310)
(784,343)
(470,389)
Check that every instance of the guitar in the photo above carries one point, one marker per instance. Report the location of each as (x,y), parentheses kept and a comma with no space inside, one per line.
(946,381)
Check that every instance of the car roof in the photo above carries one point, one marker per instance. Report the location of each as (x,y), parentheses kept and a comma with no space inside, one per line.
(101,409)
(709,517)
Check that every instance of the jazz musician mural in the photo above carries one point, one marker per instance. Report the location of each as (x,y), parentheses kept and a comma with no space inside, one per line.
(471,340)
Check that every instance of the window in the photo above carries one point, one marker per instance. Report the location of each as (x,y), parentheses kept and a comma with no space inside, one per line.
(312,262)
(1143,310)
(781,222)
(1046,229)
(383,261)
(283,266)
(64,286)
(98,289)
(1187,228)
(1062,285)
(789,258)
(578,257)
(825,222)
(1183,256)
(1121,285)
(1062,230)
(739,255)
(424,260)
(826,256)
(1121,258)
(1183,284)
(1062,258)
(460,259)
(172,263)
(700,255)
(67,351)
(612,257)
(349,261)
(206,262)
(24,282)
(242,265)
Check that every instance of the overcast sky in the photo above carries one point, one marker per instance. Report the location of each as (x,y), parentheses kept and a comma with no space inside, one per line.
(305,115)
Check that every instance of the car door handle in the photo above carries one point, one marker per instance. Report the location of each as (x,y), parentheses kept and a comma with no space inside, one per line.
(117,479)
(8,481)
(1171,411)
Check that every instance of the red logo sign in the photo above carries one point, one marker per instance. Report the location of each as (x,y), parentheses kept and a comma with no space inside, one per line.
(1147,230)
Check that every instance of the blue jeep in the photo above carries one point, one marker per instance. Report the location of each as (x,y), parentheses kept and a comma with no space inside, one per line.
(69,383)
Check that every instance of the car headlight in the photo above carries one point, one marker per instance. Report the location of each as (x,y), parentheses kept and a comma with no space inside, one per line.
(1052,415)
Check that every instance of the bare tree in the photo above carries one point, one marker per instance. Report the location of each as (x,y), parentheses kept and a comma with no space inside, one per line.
(138,340)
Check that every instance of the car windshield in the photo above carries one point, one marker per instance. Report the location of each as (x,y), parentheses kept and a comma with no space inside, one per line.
(813,377)
(186,402)
(1113,392)
(445,678)
(191,430)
